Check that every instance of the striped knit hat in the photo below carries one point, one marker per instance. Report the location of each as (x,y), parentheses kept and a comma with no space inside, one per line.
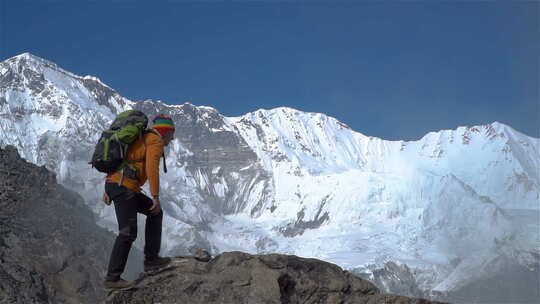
(163,124)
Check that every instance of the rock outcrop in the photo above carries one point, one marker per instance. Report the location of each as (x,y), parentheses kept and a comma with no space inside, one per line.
(51,250)
(237,277)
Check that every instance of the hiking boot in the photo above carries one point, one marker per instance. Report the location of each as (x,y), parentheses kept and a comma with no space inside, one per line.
(119,284)
(156,263)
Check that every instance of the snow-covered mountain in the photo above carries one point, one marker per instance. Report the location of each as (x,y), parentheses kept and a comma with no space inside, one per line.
(446,210)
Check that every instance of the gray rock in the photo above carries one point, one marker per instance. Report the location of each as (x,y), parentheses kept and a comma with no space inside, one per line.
(394,278)
(237,277)
(51,250)
(202,255)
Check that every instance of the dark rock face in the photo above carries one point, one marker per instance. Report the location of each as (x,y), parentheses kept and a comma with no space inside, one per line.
(236,277)
(394,278)
(101,93)
(201,131)
(216,154)
(51,250)
(299,226)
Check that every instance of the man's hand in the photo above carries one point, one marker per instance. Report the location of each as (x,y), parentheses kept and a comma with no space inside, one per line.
(106,199)
(156,206)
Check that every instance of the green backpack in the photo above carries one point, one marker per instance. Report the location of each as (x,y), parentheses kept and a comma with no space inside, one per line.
(111,149)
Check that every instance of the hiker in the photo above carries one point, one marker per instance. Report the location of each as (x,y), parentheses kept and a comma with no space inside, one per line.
(124,189)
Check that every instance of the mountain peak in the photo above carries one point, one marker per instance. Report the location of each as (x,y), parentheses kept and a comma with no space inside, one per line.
(277,111)
(190,105)
(31,59)
(295,116)
(28,55)
(502,127)
(35,63)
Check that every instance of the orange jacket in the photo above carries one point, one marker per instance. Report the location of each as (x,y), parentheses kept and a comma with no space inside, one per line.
(145,154)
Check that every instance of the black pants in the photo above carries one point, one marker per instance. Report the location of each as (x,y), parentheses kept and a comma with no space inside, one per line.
(127,203)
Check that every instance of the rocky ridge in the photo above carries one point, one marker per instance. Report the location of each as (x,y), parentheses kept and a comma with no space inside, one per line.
(241,278)
(51,250)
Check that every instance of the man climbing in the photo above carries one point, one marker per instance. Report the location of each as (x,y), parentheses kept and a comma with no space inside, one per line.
(124,189)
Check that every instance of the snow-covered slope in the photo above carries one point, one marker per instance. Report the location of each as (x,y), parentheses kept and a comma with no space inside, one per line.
(284,180)
(447,204)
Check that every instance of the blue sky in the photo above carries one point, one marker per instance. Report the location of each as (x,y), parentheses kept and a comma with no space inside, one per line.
(390,69)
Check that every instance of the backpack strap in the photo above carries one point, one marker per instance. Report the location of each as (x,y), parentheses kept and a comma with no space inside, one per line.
(121,178)
(122,155)
(125,163)
(164,163)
